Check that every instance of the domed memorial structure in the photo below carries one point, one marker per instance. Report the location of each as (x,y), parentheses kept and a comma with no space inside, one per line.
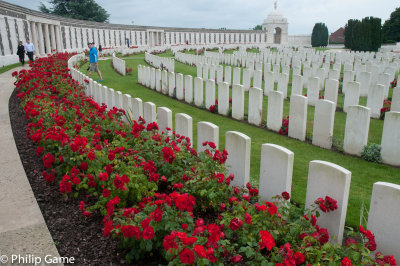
(276,27)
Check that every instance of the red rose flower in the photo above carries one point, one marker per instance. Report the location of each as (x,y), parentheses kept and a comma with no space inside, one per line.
(346,262)
(235,224)
(148,233)
(187,256)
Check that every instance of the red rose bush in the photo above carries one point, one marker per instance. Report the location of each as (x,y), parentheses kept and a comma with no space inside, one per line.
(157,195)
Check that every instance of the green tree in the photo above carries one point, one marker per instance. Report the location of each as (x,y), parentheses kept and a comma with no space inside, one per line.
(77,9)
(364,35)
(391,27)
(319,35)
(258,27)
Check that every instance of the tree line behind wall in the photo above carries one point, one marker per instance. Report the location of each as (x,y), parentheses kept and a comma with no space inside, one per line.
(364,35)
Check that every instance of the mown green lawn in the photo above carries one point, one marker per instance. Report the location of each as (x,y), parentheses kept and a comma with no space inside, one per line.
(6,68)
(364,174)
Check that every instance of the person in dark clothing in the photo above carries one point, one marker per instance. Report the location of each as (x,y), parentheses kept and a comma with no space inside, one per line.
(100,49)
(21,52)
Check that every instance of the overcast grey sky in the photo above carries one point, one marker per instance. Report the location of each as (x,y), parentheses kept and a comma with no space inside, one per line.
(238,14)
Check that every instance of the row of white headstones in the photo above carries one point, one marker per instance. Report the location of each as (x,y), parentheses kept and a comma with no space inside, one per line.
(358,117)
(276,166)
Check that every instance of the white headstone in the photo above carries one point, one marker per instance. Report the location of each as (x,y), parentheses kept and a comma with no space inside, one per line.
(298,117)
(276,169)
(255,106)
(395,107)
(228,75)
(275,110)
(376,96)
(238,102)
(328,179)
(246,79)
(384,216)
(283,80)
(171,84)
(158,80)
(313,91)
(352,95)
(223,98)
(331,90)
(391,139)
(164,119)
(184,126)
(365,80)
(324,118)
(236,76)
(210,93)
(257,80)
(238,147)
(137,108)
(348,76)
(206,131)
(164,82)
(269,82)
(356,130)
(297,85)
(188,89)
(149,112)
(198,92)
(179,86)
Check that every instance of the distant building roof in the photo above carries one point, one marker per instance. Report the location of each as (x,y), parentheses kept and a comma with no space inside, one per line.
(337,36)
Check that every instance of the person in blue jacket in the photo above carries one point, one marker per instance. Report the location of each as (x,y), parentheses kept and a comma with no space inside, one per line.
(94,59)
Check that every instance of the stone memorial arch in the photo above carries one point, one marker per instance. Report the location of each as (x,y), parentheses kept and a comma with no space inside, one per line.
(276,27)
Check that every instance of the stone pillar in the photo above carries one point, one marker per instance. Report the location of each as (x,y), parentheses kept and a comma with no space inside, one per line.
(207,131)
(390,139)
(41,39)
(298,117)
(275,110)
(276,169)
(356,130)
(35,37)
(47,38)
(58,39)
(53,38)
(238,147)
(328,179)
(384,216)
(324,118)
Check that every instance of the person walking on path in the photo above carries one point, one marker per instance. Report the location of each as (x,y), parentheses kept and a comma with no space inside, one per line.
(29,49)
(100,49)
(21,52)
(94,59)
